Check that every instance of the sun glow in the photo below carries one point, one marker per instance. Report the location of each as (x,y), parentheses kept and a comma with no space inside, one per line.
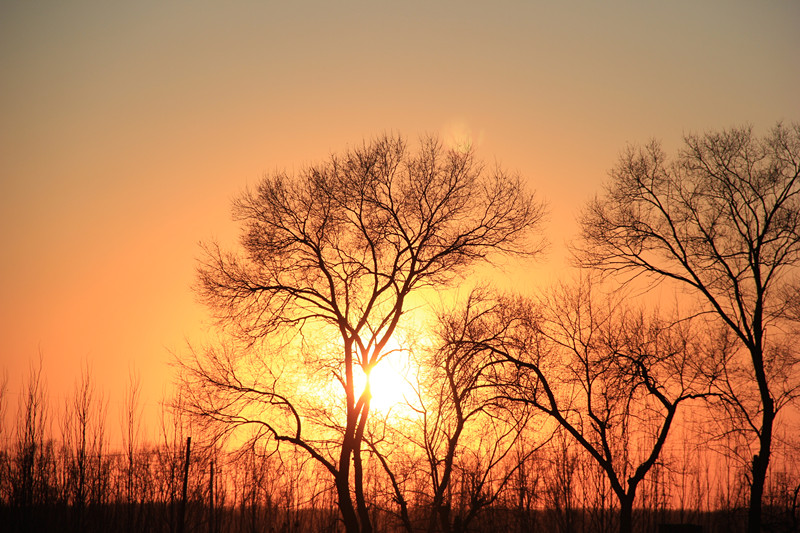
(391,382)
(458,135)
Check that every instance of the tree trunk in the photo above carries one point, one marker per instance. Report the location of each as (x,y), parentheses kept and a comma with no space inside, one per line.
(761,459)
(440,511)
(626,514)
(760,466)
(346,505)
(358,470)
(361,504)
(345,501)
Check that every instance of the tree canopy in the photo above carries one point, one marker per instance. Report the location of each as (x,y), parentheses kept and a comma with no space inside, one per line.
(330,256)
(722,218)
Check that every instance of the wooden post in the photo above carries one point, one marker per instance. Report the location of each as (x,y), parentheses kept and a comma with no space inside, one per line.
(211,525)
(182,512)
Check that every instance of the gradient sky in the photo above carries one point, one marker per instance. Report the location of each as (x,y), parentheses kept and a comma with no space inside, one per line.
(126,128)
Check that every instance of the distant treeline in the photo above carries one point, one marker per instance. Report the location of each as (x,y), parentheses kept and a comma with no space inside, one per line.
(62,475)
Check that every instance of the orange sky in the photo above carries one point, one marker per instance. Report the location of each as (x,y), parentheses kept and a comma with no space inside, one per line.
(126,130)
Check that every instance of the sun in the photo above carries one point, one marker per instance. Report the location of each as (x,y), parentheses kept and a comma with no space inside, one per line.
(390,382)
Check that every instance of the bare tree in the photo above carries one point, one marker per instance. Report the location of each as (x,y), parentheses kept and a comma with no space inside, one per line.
(723,220)
(4,442)
(131,430)
(331,258)
(84,439)
(30,476)
(525,489)
(465,443)
(467,433)
(612,378)
(561,482)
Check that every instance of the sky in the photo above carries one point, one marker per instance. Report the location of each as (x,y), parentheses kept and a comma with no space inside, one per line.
(127,128)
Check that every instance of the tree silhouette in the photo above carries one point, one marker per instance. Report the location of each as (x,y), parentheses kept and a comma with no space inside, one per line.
(464,427)
(330,260)
(611,378)
(723,220)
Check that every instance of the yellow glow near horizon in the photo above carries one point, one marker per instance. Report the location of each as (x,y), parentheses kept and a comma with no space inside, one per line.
(128,128)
